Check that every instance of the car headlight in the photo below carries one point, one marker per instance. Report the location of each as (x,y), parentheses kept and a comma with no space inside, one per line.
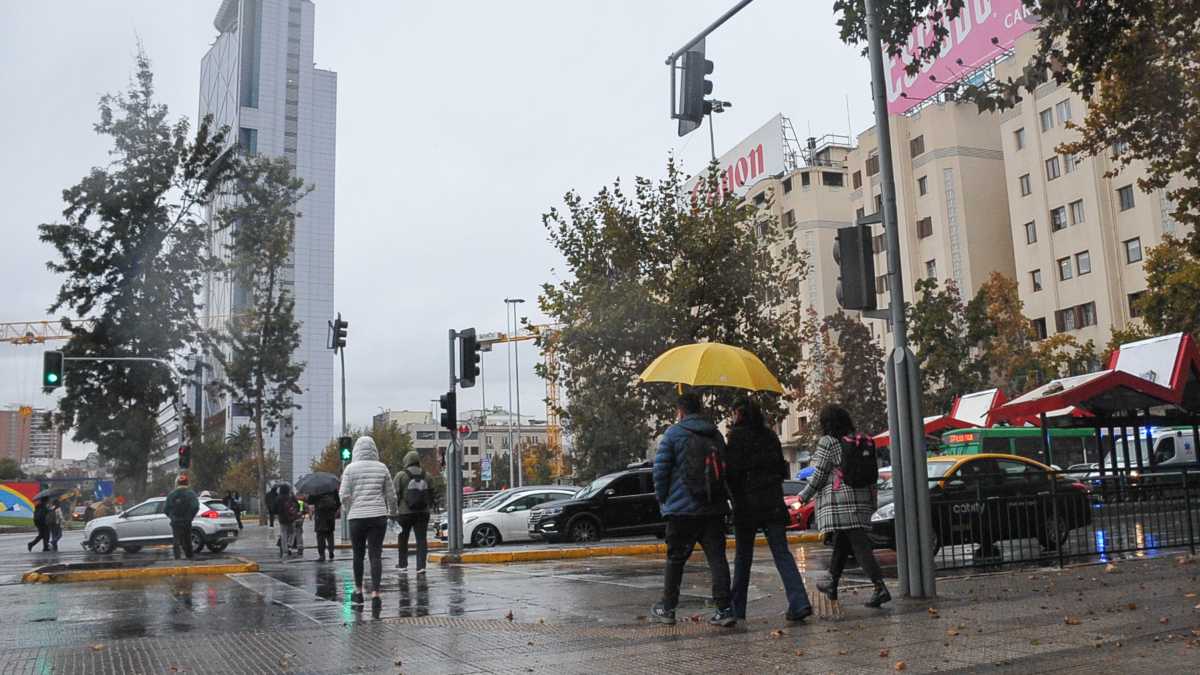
(886,512)
(796,506)
(551,510)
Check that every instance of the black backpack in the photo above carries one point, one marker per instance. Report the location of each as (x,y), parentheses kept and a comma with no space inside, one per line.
(704,469)
(859,466)
(416,492)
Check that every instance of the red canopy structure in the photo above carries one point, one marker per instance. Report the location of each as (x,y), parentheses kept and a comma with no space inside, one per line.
(968,410)
(1151,373)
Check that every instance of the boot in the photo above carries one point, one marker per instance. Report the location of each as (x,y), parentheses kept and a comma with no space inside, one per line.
(880,596)
(829,588)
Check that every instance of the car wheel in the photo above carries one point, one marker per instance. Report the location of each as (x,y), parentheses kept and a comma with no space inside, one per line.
(197,541)
(217,548)
(1054,532)
(132,549)
(583,531)
(104,541)
(485,536)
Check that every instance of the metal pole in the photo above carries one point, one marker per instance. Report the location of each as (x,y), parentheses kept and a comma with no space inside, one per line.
(908,430)
(517,367)
(512,476)
(345,432)
(454,472)
(712,141)
(704,33)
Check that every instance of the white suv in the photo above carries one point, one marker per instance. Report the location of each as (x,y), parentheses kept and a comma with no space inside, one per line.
(145,524)
(505,516)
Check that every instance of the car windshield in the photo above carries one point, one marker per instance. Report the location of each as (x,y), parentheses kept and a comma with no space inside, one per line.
(494,501)
(595,486)
(216,506)
(937,469)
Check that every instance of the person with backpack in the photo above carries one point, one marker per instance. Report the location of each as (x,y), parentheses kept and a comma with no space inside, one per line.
(180,508)
(288,512)
(414,501)
(370,495)
(689,481)
(845,471)
(757,470)
(41,513)
(326,509)
(54,523)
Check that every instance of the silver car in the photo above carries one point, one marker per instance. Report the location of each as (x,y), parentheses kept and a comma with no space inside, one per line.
(145,525)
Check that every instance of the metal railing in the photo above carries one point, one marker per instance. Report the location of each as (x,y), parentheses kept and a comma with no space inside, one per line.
(1003,520)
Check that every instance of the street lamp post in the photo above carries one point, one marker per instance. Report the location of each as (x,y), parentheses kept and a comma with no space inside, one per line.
(515,450)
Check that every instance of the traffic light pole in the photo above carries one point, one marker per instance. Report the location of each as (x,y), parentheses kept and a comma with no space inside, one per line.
(453,475)
(914,530)
(345,431)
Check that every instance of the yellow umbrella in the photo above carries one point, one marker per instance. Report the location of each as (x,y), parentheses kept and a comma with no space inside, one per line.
(712,364)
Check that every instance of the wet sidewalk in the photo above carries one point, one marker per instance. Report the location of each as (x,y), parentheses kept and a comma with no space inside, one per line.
(588,616)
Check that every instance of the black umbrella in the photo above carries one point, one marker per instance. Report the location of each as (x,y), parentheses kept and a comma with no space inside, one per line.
(51,493)
(317,483)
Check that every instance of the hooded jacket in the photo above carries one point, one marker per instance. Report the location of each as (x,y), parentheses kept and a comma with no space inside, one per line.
(674,498)
(412,469)
(756,470)
(367,490)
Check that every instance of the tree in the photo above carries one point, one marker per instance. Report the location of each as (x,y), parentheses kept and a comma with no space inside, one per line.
(818,379)
(652,270)
(1172,287)
(392,442)
(10,469)
(243,475)
(942,339)
(256,348)
(539,465)
(1132,60)
(861,376)
(132,249)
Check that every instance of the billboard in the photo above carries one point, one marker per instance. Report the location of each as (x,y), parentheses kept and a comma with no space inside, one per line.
(16,502)
(983,29)
(758,156)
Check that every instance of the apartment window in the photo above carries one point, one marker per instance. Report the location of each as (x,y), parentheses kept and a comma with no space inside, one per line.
(925,227)
(1063,108)
(1076,211)
(923,185)
(1064,319)
(860,213)
(1087,314)
(1058,219)
(916,146)
(1064,269)
(1125,194)
(872,165)
(878,203)
(1134,309)
(251,49)
(787,185)
(832,178)
(789,218)
(248,139)
(877,245)
(1030,232)
(882,284)
(1039,328)
(1120,148)
(760,198)
(1133,250)
(805,179)
(1052,170)
(1070,163)
(857,179)
(1047,119)
(1083,263)
(1019,137)
(1035,277)
(931,269)
(1026,187)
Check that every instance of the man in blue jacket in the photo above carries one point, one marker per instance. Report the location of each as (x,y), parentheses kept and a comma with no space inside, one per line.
(689,482)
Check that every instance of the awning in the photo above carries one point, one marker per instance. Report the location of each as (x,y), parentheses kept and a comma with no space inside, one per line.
(933,426)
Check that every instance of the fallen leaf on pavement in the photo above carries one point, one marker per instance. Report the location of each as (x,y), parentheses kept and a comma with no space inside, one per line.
(1072,621)
(799,652)
(776,634)
(98,648)
(541,621)
(639,618)
(1110,568)
(900,665)
(932,611)
(694,618)
(952,632)
(1132,605)
(884,653)
(1164,620)
(1189,595)
(509,616)
(842,652)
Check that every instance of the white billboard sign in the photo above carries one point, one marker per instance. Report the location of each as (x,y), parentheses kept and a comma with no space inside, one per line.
(758,156)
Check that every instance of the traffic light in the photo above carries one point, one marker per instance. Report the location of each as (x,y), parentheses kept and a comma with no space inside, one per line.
(346,448)
(185,457)
(694,88)
(52,370)
(468,358)
(449,403)
(339,332)
(856,267)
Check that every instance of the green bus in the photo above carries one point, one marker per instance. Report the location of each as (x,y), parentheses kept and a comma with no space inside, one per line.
(1067,446)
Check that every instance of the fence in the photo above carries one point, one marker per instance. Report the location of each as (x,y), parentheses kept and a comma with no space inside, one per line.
(999,520)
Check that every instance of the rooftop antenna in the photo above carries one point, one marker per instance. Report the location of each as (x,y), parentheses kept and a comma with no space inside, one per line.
(849,127)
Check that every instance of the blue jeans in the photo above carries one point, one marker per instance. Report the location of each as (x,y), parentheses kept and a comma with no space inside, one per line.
(793,582)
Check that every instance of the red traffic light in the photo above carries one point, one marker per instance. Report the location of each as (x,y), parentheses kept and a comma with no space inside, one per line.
(185,457)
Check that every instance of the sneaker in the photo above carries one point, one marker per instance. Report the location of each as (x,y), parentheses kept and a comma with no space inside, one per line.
(800,616)
(661,614)
(421,571)
(356,598)
(723,618)
(30,547)
(402,566)
(879,597)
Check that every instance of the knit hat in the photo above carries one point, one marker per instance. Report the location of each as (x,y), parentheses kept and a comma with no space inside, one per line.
(182,480)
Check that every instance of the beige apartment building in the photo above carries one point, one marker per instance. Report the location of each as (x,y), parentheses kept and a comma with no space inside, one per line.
(1078,238)
(813,200)
(950,200)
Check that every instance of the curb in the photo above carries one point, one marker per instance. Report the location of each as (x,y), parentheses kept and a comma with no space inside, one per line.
(497,557)
(73,576)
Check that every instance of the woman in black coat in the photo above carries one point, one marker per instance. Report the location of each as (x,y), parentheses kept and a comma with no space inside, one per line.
(756,471)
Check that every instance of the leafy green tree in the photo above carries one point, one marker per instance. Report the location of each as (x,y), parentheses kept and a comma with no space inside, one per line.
(539,465)
(653,269)
(10,469)
(861,373)
(257,345)
(1173,287)
(393,444)
(942,339)
(132,251)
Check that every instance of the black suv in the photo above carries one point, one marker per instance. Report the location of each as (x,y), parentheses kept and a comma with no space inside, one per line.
(621,503)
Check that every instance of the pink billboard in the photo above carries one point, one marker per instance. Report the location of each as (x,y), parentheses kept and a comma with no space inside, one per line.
(982,30)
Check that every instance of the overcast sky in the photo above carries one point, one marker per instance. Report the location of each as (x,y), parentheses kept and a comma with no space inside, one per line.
(459,124)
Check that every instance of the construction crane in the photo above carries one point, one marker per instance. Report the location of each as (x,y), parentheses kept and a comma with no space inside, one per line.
(38,332)
(549,335)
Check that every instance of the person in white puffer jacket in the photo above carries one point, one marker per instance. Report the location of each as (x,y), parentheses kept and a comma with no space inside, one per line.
(369,500)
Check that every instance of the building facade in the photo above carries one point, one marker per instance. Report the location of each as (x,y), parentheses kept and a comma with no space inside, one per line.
(258,79)
(1079,238)
(951,202)
(491,435)
(25,437)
